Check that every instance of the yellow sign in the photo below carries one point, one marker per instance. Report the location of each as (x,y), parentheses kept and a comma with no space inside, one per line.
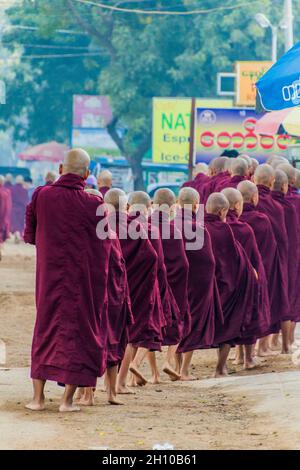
(171,127)
(247,74)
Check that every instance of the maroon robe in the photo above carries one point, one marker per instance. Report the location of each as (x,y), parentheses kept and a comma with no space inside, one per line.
(261,315)
(177,272)
(204,300)
(70,335)
(141,266)
(20,200)
(235,279)
(119,306)
(5,213)
(104,190)
(267,245)
(294,197)
(232,182)
(292,228)
(198,183)
(267,205)
(213,184)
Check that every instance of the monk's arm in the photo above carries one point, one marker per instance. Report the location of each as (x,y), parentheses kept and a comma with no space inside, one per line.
(30,225)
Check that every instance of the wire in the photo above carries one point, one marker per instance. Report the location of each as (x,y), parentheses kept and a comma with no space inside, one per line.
(165,12)
(34,28)
(56,56)
(44,46)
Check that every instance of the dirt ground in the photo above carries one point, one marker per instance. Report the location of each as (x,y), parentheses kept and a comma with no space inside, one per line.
(182,414)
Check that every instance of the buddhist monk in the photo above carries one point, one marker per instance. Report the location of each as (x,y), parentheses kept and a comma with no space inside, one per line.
(5,213)
(104,181)
(203,293)
(236,279)
(177,271)
(260,322)
(50,177)
(200,178)
(20,200)
(141,266)
(70,336)
(9,181)
(279,193)
(218,172)
(267,245)
(239,172)
(264,178)
(119,317)
(254,165)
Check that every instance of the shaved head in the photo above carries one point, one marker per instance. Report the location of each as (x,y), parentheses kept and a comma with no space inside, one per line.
(254,165)
(77,161)
(217,165)
(2,180)
(164,197)
(19,179)
(117,200)
(94,192)
(50,177)
(247,159)
(290,172)
(248,191)
(188,196)
(297,182)
(239,167)
(281,181)
(200,168)
(105,178)
(9,178)
(139,201)
(233,196)
(216,203)
(264,174)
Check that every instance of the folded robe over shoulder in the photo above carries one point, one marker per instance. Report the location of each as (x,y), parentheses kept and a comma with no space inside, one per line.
(267,205)
(20,200)
(267,245)
(261,315)
(231,182)
(214,183)
(70,336)
(294,197)
(5,213)
(198,183)
(235,279)
(204,300)
(177,272)
(292,228)
(119,305)
(141,266)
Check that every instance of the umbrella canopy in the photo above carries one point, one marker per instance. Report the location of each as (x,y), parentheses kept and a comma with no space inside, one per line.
(278,122)
(279,88)
(49,152)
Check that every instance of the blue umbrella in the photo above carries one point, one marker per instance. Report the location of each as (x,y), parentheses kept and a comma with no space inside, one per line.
(279,88)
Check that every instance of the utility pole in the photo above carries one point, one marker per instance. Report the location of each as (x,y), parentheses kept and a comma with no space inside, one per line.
(289,30)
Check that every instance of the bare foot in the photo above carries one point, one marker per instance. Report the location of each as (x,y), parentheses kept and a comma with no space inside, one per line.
(188,378)
(252,364)
(114,401)
(267,353)
(124,390)
(174,376)
(34,406)
(64,408)
(155,380)
(134,370)
(286,352)
(220,374)
(87,402)
(238,362)
(79,394)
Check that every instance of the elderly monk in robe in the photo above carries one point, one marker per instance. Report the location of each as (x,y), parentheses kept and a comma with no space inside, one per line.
(279,194)
(119,317)
(219,173)
(236,279)
(204,300)
(20,200)
(261,317)
(200,178)
(264,178)
(267,245)
(177,266)
(104,181)
(140,205)
(5,212)
(70,336)
(141,266)
(239,172)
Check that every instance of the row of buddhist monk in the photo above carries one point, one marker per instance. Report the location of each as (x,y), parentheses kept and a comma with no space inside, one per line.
(118,278)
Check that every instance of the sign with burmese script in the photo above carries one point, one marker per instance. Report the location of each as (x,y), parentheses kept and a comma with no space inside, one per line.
(219,129)
(171,127)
